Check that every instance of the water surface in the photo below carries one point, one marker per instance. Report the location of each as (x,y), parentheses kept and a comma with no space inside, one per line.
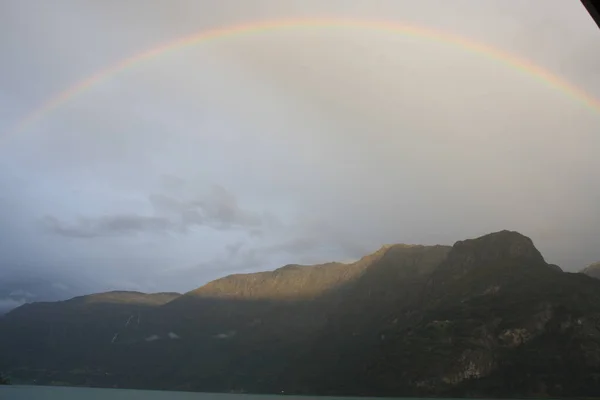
(18,392)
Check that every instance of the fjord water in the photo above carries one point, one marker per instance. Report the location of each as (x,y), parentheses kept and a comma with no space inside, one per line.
(18,392)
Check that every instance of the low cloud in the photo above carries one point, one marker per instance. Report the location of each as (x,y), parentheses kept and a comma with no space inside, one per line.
(305,245)
(8,304)
(314,244)
(109,225)
(234,248)
(60,286)
(20,293)
(219,209)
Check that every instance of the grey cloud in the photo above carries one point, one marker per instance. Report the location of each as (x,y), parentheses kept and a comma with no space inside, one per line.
(8,304)
(237,257)
(219,210)
(234,248)
(60,286)
(305,241)
(21,293)
(351,137)
(322,237)
(295,246)
(319,246)
(172,183)
(312,247)
(109,225)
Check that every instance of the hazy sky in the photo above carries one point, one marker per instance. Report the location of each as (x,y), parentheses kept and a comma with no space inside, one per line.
(289,146)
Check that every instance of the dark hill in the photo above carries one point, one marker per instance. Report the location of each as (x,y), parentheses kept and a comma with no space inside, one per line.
(485,317)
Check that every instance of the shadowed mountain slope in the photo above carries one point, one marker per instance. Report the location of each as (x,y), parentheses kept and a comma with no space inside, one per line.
(485,317)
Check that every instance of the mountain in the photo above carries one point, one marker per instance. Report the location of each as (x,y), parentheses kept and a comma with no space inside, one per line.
(20,285)
(593,270)
(486,317)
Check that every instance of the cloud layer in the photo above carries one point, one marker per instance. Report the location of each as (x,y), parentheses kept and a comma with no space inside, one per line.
(292,146)
(218,210)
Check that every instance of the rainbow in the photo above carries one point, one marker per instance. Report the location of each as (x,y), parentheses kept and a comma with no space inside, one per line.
(508,59)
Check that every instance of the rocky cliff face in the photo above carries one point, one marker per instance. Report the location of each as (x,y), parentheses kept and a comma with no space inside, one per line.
(490,308)
(487,252)
(495,247)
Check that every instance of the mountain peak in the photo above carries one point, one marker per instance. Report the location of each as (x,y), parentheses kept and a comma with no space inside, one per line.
(498,246)
(488,250)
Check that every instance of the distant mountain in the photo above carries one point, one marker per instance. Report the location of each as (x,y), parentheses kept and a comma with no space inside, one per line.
(20,286)
(487,317)
(593,270)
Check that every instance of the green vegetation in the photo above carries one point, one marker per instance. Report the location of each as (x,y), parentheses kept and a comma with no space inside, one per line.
(487,317)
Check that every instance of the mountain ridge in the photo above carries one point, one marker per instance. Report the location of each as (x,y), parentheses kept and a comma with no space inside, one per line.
(484,317)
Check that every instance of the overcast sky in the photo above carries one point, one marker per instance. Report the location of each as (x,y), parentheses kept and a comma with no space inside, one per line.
(289,146)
